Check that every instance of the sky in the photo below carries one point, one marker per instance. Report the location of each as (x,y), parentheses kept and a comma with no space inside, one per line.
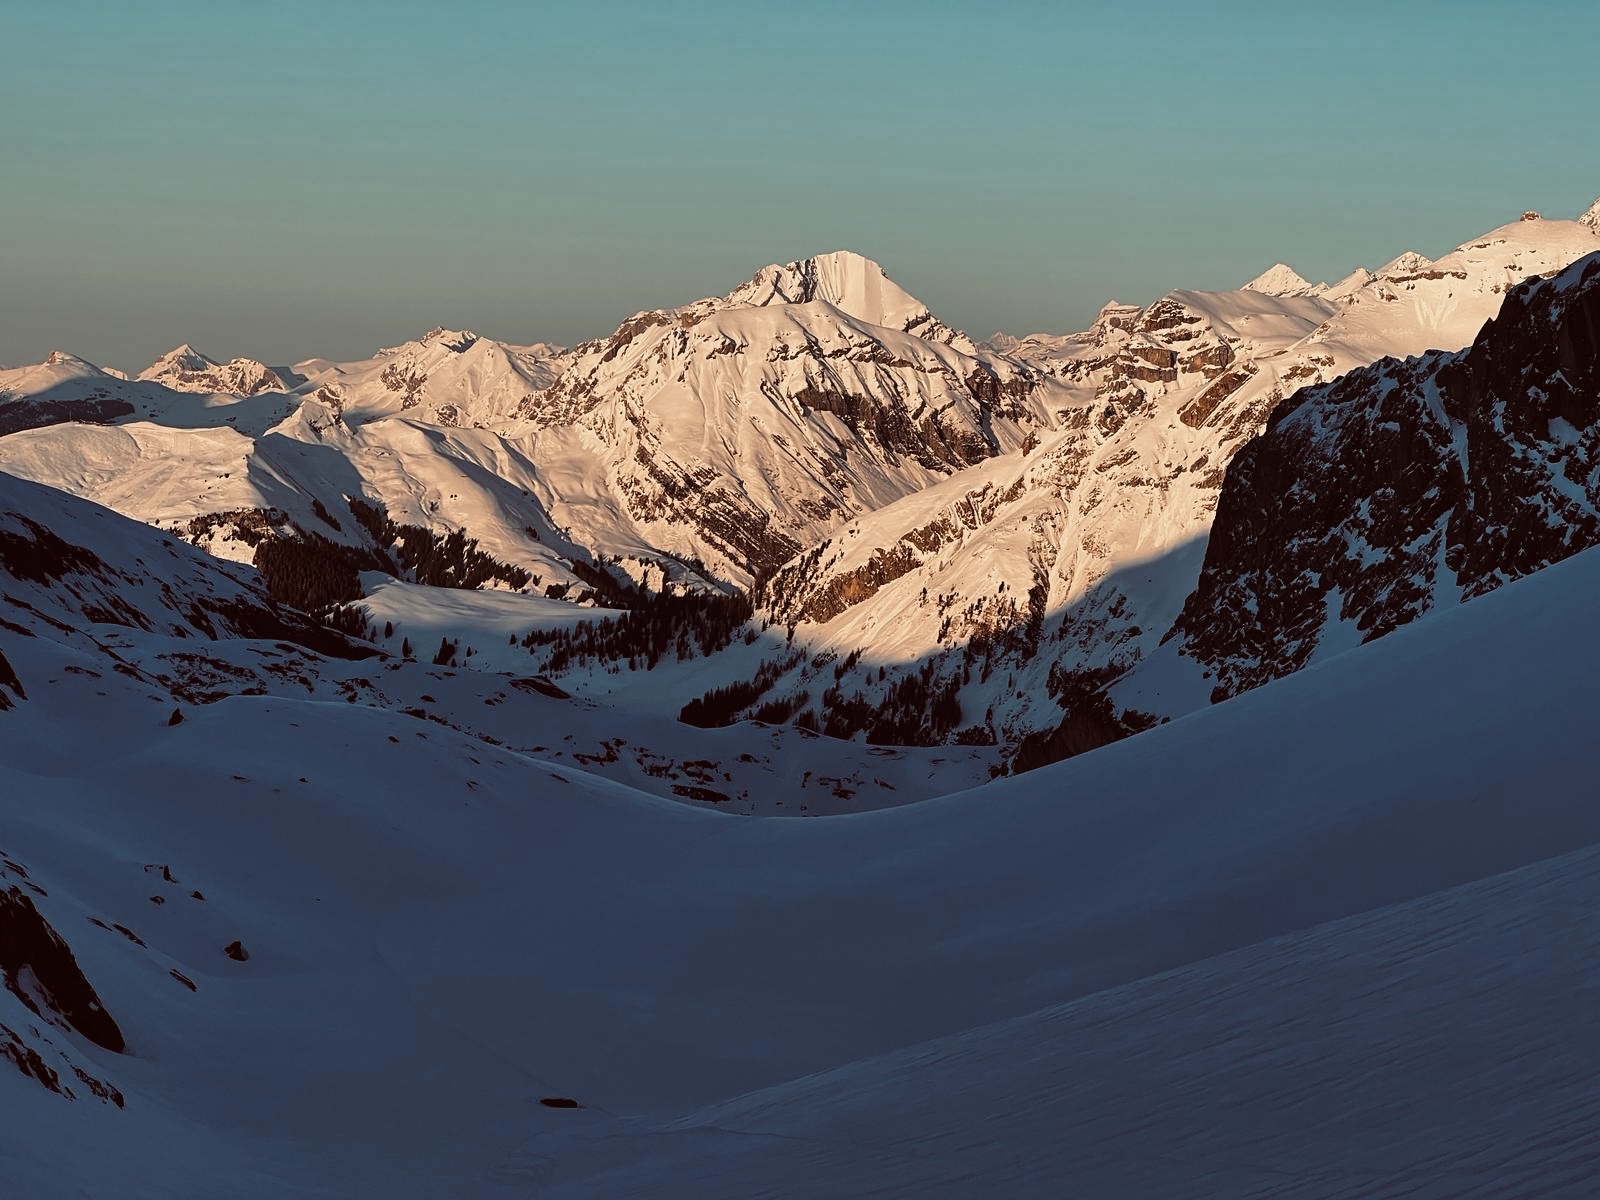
(293,179)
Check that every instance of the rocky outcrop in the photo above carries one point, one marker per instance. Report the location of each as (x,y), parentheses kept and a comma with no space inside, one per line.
(39,969)
(9,683)
(1406,485)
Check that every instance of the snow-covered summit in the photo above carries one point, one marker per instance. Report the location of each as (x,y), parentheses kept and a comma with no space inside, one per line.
(184,357)
(851,282)
(1280,279)
(1591,216)
(63,387)
(1405,263)
(453,341)
(66,361)
(185,369)
(447,377)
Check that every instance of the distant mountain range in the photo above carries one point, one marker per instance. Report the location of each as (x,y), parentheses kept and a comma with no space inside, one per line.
(999,538)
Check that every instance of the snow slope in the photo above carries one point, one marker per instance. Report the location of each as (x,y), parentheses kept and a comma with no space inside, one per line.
(1318,938)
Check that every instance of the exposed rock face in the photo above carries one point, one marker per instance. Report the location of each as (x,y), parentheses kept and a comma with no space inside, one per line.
(40,971)
(9,683)
(1406,485)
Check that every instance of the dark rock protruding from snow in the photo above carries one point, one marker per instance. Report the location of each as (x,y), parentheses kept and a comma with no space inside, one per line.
(236,951)
(40,970)
(1406,485)
(9,682)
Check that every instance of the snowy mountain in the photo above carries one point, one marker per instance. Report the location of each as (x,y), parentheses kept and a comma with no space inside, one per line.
(1406,486)
(214,468)
(1280,279)
(61,388)
(968,543)
(694,448)
(485,896)
(65,388)
(1026,586)
(736,430)
(447,377)
(856,286)
(185,369)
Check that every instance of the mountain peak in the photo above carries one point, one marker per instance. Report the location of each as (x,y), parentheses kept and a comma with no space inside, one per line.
(457,340)
(185,369)
(184,357)
(850,282)
(1591,216)
(1405,262)
(1280,279)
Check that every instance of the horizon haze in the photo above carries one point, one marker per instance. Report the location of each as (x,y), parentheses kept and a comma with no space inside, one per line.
(300,182)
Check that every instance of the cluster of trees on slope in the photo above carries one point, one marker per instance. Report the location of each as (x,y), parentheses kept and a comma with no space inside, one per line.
(450,560)
(722,705)
(319,576)
(917,708)
(653,625)
(312,573)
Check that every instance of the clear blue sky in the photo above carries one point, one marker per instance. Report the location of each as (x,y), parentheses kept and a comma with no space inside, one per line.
(282,179)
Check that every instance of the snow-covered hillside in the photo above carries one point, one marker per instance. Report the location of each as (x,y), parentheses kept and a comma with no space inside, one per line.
(118,602)
(348,952)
